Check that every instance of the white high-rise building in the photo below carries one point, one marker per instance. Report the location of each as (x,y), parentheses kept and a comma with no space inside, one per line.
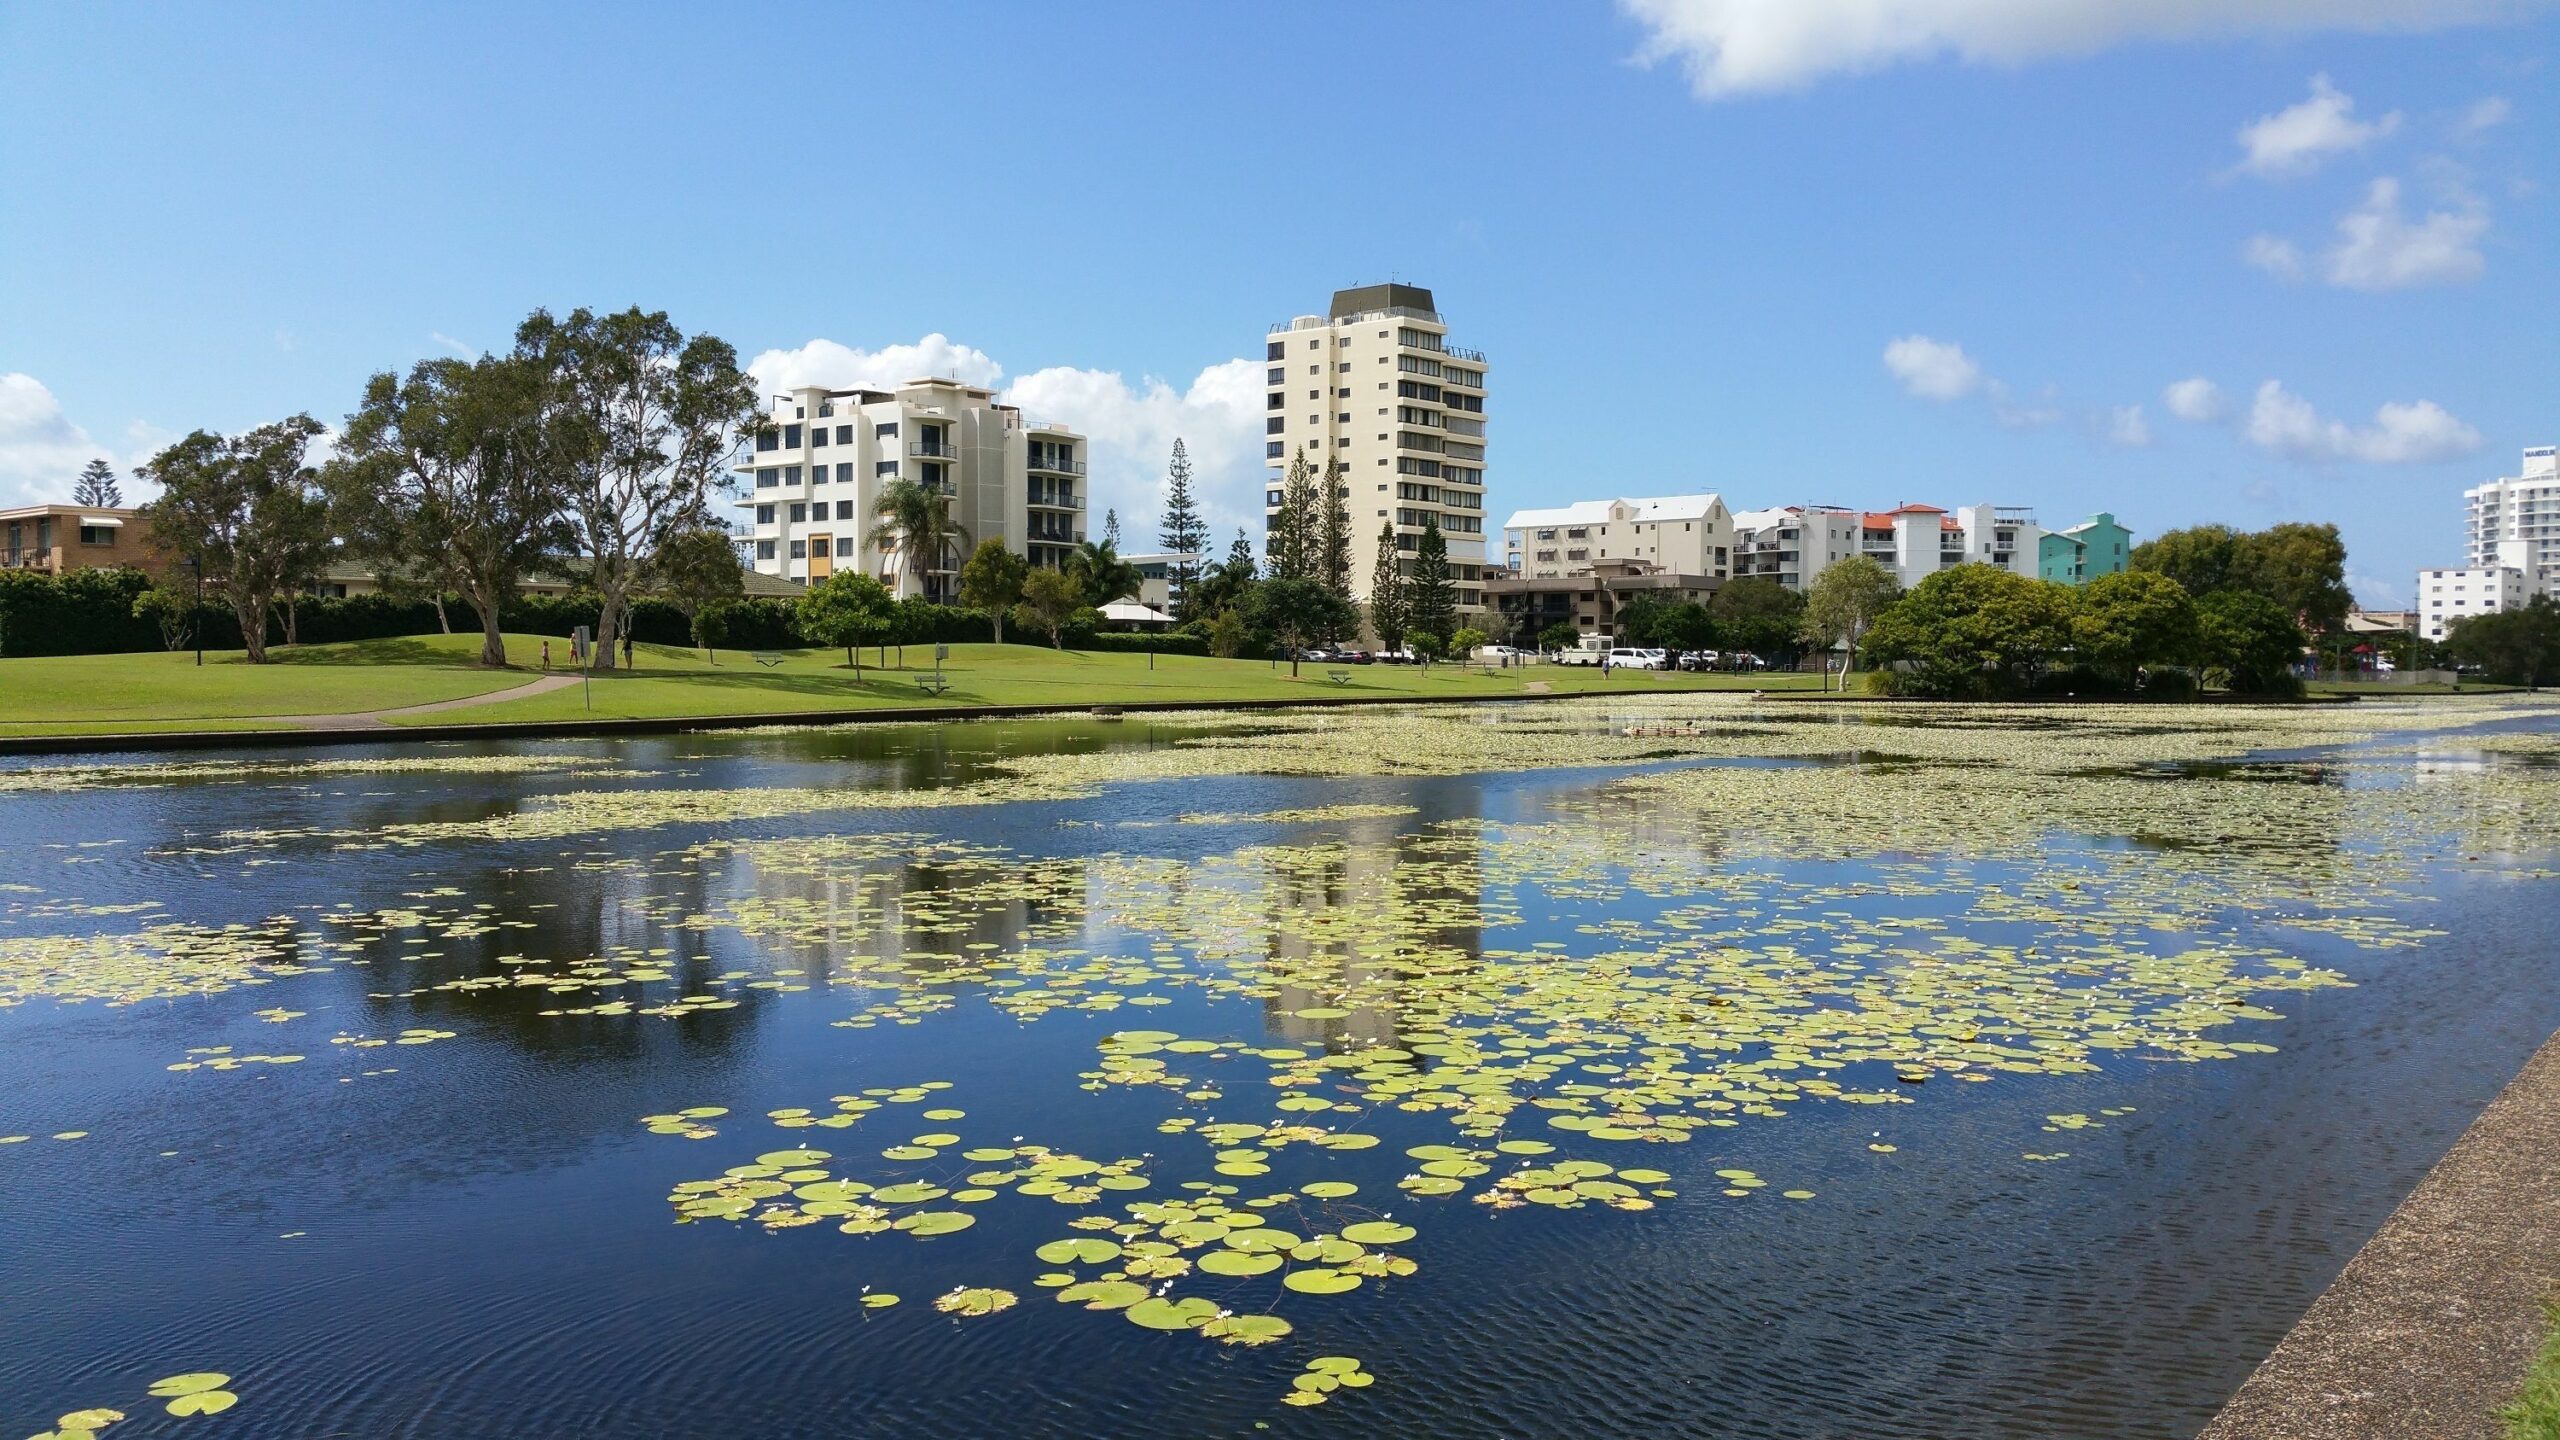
(1677,534)
(1373,386)
(2523,507)
(823,457)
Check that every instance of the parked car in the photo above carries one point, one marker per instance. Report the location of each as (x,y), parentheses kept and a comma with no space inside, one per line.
(1398,656)
(1745,660)
(1499,653)
(1631,658)
(1349,656)
(1699,660)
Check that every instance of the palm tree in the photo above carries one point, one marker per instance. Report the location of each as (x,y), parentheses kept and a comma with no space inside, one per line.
(1102,574)
(920,521)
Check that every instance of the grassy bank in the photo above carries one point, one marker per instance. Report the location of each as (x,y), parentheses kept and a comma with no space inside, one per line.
(2536,1413)
(109,693)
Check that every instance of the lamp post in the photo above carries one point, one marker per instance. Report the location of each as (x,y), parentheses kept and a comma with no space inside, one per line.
(196,562)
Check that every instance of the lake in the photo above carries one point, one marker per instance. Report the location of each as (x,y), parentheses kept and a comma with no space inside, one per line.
(1690,1066)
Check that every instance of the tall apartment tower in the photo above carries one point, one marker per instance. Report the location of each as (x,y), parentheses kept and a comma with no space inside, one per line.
(1374,386)
(823,456)
(2523,507)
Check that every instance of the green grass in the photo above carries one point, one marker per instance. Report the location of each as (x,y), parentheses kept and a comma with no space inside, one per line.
(2381,691)
(2536,1413)
(70,693)
(144,692)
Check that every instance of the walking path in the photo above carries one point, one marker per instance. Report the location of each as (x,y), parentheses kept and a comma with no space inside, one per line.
(2429,1330)
(381,719)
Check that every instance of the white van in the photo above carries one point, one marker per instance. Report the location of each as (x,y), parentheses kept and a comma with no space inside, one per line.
(1635,659)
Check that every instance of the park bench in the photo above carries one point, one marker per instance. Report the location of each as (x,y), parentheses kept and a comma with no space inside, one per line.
(1338,677)
(766,658)
(932,684)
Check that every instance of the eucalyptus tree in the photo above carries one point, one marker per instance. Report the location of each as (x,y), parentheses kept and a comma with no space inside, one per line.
(648,422)
(453,476)
(246,512)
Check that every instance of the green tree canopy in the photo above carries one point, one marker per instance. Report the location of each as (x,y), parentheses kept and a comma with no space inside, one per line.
(2124,621)
(1100,572)
(1758,614)
(1050,600)
(1562,635)
(917,520)
(2203,559)
(1971,631)
(2250,640)
(1667,621)
(696,568)
(850,609)
(2514,647)
(1387,597)
(1845,600)
(2302,568)
(248,510)
(1432,592)
(1299,611)
(991,581)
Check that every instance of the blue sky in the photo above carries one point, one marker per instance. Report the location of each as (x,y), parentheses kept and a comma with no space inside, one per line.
(1688,233)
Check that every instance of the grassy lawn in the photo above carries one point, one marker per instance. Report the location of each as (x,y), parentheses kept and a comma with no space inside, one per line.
(141,692)
(2536,1413)
(2379,691)
(55,694)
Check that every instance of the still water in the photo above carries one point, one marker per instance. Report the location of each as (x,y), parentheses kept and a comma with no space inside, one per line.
(1763,1085)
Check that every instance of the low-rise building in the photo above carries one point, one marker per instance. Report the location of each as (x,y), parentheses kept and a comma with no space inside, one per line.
(1682,534)
(1526,606)
(2446,597)
(2078,554)
(59,539)
(1155,576)
(1794,544)
(822,458)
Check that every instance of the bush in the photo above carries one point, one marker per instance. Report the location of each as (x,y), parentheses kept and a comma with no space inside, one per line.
(2076,682)
(2175,687)
(1171,642)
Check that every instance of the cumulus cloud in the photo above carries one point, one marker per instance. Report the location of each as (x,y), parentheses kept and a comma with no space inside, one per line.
(2127,426)
(2195,399)
(2487,113)
(1932,369)
(1738,47)
(1130,426)
(2380,248)
(2416,433)
(844,367)
(2294,140)
(2275,255)
(42,450)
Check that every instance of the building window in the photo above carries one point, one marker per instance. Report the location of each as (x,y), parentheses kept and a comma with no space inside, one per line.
(1274,348)
(817,435)
(764,549)
(1275,425)
(886,431)
(764,514)
(880,468)
(790,437)
(844,547)
(844,509)
(799,549)
(768,478)
(844,473)
(844,434)
(1273,449)
(97,535)
(799,513)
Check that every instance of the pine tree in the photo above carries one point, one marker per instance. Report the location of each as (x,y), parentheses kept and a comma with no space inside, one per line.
(97,486)
(1293,550)
(1388,601)
(1111,527)
(1333,533)
(1182,532)
(1432,603)
(1240,554)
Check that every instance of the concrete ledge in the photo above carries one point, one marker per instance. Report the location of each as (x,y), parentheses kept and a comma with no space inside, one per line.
(2430,1329)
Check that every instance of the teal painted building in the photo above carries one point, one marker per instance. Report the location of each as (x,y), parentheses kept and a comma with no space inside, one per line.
(2083,552)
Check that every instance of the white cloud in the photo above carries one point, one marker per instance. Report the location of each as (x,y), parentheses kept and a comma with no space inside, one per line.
(1932,369)
(1735,47)
(2416,433)
(2380,248)
(456,346)
(2195,399)
(2016,414)
(2126,426)
(42,451)
(2275,255)
(2487,113)
(1130,427)
(2294,141)
(2375,592)
(844,367)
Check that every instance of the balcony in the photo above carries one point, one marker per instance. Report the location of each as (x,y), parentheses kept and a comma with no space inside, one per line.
(1056,467)
(930,450)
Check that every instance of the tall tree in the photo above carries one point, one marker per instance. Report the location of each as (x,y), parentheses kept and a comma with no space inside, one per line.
(2203,559)
(2130,619)
(2251,640)
(1182,533)
(1224,585)
(1972,631)
(2517,647)
(1759,615)
(2302,568)
(1846,598)
(1387,599)
(696,568)
(1050,599)
(648,423)
(1333,531)
(1111,527)
(247,510)
(918,520)
(1101,574)
(97,486)
(992,581)
(1298,610)
(1292,547)
(1433,607)
(449,476)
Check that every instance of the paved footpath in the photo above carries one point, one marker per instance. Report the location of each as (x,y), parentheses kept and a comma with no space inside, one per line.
(2431,1327)
(381,719)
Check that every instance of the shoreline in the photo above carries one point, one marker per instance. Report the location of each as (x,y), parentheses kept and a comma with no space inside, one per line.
(2432,1326)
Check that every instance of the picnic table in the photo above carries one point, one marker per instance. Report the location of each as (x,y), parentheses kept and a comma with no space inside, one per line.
(932,684)
(1338,677)
(766,658)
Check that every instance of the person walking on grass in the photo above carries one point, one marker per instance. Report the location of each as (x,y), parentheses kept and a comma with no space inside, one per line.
(546,655)
(626,649)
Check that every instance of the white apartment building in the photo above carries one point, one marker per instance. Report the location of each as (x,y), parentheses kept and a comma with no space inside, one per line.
(1374,386)
(1676,534)
(2522,508)
(2445,596)
(818,466)
(1794,544)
